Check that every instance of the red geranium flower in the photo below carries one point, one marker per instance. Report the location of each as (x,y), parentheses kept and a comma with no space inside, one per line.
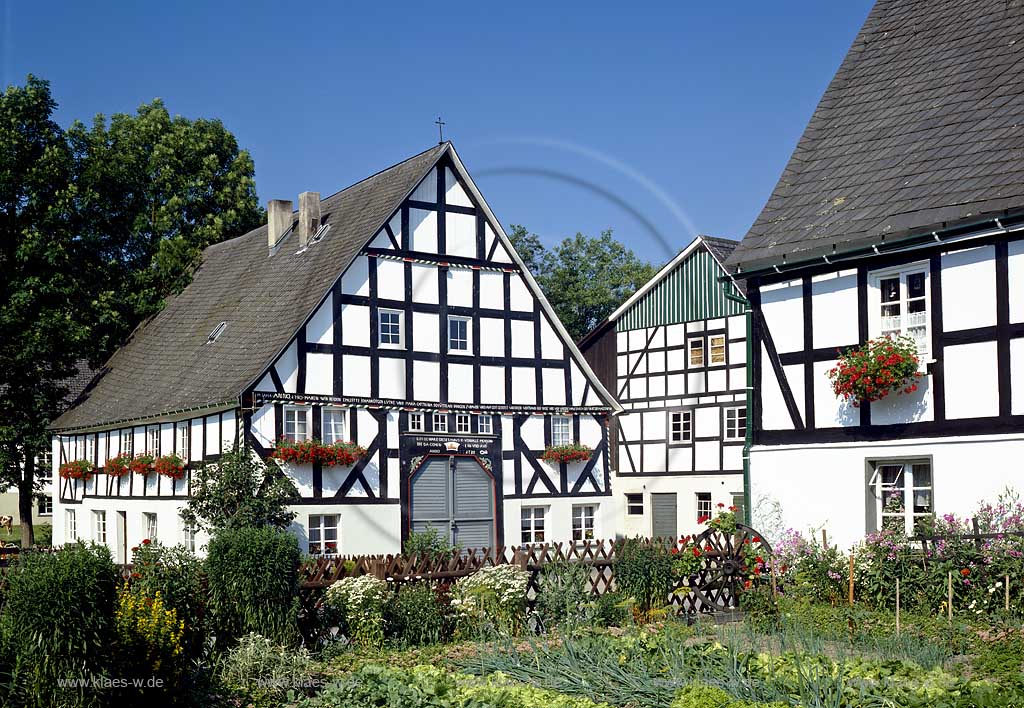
(965,572)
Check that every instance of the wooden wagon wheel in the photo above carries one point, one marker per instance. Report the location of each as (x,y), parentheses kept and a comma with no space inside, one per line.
(718,584)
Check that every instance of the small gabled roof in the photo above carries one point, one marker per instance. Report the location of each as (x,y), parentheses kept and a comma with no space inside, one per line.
(168,364)
(719,248)
(921,128)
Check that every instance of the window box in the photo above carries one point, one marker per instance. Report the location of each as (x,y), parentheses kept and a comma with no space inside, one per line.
(118,466)
(573,452)
(339,454)
(77,469)
(876,369)
(142,463)
(170,466)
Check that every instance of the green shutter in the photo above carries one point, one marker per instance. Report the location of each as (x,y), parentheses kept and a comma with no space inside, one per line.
(690,292)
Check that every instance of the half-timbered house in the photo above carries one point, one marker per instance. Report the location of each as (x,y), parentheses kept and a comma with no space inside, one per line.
(394,314)
(900,212)
(675,356)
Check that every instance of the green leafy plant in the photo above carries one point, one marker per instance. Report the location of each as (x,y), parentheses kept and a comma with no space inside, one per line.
(239,490)
(428,543)
(177,574)
(118,466)
(57,622)
(564,598)
(360,601)
(418,614)
(875,369)
(253,580)
(171,466)
(265,672)
(492,598)
(644,572)
(142,463)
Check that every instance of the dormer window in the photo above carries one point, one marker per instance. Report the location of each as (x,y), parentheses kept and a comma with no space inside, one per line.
(217,331)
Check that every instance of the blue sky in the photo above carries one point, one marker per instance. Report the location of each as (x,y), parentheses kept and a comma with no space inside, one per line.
(653,121)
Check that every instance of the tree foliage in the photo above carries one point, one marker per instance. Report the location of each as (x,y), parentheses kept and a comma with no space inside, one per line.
(584,278)
(97,226)
(239,491)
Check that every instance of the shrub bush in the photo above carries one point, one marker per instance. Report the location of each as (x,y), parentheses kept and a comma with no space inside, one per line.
(761,611)
(491,598)
(263,671)
(428,543)
(176,574)
(418,614)
(253,580)
(57,622)
(360,604)
(643,571)
(612,609)
(564,598)
(150,640)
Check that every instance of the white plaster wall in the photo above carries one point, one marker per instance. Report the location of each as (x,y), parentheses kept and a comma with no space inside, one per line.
(425,332)
(834,309)
(424,284)
(356,279)
(782,307)
(364,529)
(460,287)
(558,517)
(390,279)
(460,234)
(721,487)
(969,288)
(1016,275)
(774,414)
(519,295)
(971,378)
(355,326)
(1017,376)
(454,193)
(356,375)
(423,225)
(492,290)
(426,190)
(823,485)
(319,373)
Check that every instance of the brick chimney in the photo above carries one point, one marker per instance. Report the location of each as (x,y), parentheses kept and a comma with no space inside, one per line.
(279,220)
(309,217)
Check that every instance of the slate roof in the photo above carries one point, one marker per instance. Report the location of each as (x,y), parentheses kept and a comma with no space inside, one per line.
(169,366)
(922,127)
(721,248)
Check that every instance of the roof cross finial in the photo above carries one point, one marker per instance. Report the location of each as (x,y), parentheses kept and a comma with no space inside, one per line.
(440,130)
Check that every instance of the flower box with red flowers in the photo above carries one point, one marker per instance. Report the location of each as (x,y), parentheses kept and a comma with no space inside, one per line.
(118,466)
(574,452)
(142,463)
(876,369)
(77,469)
(170,466)
(305,452)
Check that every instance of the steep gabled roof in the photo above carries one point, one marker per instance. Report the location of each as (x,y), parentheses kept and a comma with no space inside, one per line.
(922,127)
(168,365)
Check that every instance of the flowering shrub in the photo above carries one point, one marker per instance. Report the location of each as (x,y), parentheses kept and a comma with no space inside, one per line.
(142,463)
(725,521)
(574,452)
(360,603)
(341,454)
(117,466)
(876,369)
(150,634)
(77,469)
(170,466)
(687,558)
(493,596)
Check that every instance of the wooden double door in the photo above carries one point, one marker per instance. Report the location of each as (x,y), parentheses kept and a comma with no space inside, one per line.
(455,495)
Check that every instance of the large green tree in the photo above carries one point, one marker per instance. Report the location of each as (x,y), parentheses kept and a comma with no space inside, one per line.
(584,278)
(97,226)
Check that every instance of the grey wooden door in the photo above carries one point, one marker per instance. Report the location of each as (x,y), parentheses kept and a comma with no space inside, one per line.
(454,495)
(663,516)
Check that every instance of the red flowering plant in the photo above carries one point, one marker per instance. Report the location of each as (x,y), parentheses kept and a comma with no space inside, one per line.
(142,463)
(305,452)
(873,371)
(118,466)
(170,466)
(687,558)
(77,469)
(725,520)
(573,452)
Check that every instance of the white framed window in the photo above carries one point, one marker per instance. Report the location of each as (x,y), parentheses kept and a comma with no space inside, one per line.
(440,422)
(716,347)
(462,424)
(635,504)
(296,423)
(561,432)
(900,304)
(484,425)
(533,518)
(126,442)
(71,524)
(583,521)
(416,422)
(703,507)
(44,466)
(680,426)
(458,334)
(323,534)
(149,521)
(696,348)
(99,526)
(736,423)
(333,424)
(90,447)
(181,433)
(153,440)
(389,328)
(46,506)
(903,494)
(188,537)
